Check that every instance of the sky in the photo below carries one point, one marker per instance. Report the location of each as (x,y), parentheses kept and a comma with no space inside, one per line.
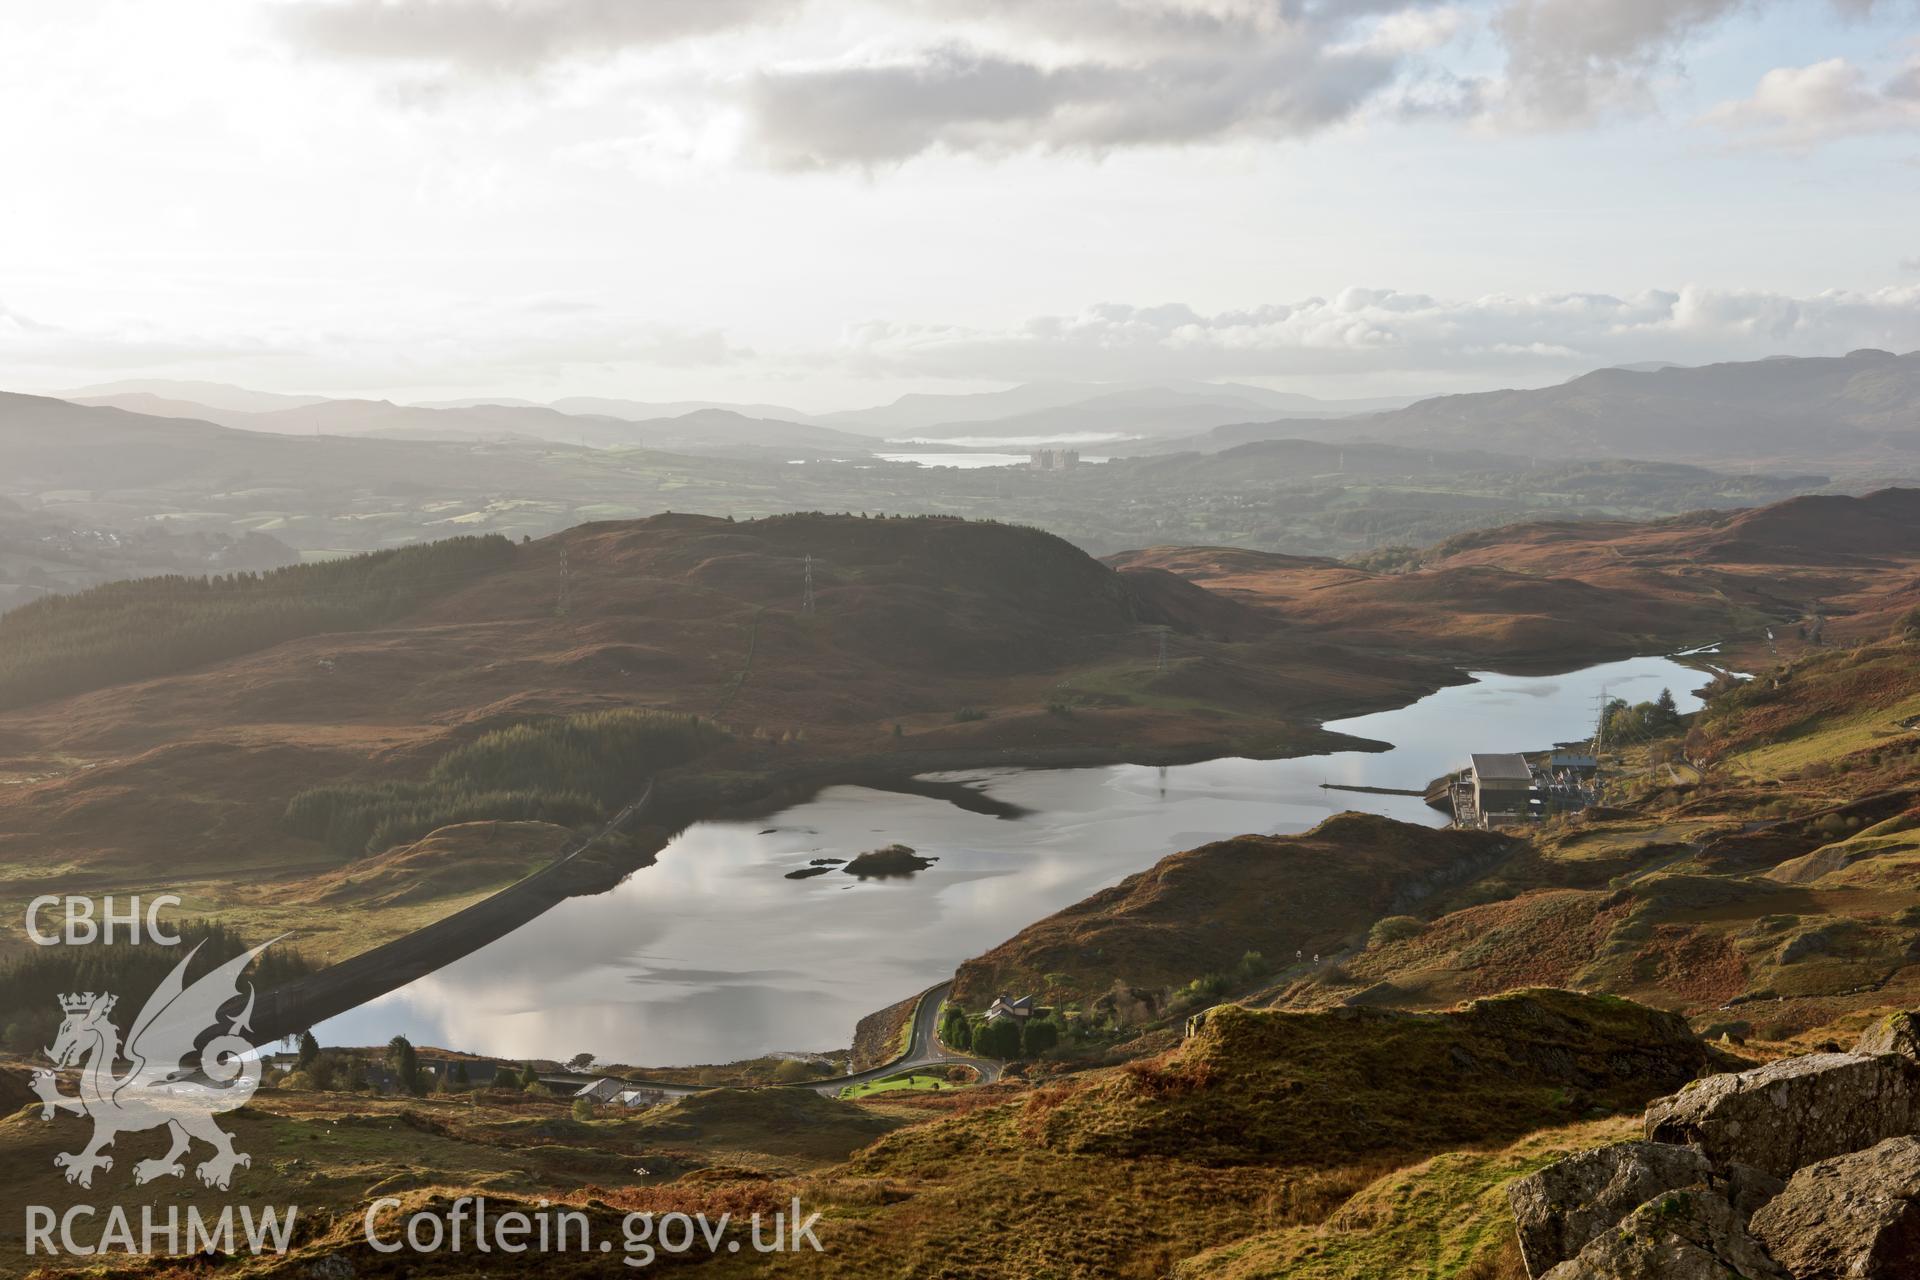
(829,203)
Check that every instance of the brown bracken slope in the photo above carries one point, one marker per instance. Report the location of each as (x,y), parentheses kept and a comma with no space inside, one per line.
(1539,592)
(182,780)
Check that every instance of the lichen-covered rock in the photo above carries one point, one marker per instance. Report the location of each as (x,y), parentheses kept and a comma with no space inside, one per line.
(1788,1114)
(1560,1208)
(1896,1033)
(1691,1234)
(1854,1217)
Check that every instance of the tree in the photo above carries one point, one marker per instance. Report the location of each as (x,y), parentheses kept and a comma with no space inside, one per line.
(580,1062)
(583,1109)
(998,1039)
(528,1076)
(955,1031)
(1039,1036)
(309,1050)
(406,1065)
(457,1075)
(505,1077)
(793,1071)
(1669,710)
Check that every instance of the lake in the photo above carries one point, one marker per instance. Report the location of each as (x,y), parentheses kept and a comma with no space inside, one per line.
(712,955)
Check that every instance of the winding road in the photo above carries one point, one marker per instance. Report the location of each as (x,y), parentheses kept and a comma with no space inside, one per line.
(923,1050)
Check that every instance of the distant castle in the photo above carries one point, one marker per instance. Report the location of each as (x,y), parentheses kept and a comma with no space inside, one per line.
(1053,459)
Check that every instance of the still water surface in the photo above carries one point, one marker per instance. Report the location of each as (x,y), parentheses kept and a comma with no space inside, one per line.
(712,955)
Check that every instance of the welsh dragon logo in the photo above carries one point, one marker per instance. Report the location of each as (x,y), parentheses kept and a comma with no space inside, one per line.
(157,1090)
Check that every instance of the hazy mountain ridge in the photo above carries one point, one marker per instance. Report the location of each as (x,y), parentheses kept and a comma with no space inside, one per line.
(1861,409)
(699,431)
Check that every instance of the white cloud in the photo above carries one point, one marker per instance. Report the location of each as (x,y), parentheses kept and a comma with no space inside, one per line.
(1798,106)
(865,84)
(966,101)
(1386,331)
(1568,61)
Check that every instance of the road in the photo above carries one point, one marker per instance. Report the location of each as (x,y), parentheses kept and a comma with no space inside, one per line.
(923,1050)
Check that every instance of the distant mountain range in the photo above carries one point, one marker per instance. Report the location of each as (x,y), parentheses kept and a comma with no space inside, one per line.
(1032,414)
(700,431)
(1040,408)
(1854,413)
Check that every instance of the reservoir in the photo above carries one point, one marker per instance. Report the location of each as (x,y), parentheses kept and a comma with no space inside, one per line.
(712,954)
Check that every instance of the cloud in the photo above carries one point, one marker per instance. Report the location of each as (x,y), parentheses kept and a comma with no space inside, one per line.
(1570,60)
(1093,76)
(508,36)
(962,100)
(1798,106)
(1360,331)
(866,84)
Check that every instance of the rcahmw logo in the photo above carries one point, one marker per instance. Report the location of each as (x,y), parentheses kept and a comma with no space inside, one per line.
(156,1091)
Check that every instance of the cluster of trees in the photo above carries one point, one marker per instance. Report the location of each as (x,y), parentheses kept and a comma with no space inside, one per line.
(32,982)
(566,770)
(1001,1038)
(333,1069)
(1642,720)
(605,754)
(154,626)
(352,819)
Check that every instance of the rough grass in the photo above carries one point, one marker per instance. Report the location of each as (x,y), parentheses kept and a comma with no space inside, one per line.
(1443,1219)
(1344,1083)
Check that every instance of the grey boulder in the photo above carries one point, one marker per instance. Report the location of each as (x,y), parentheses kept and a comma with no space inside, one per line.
(1560,1208)
(1854,1217)
(1691,1234)
(1896,1033)
(1788,1114)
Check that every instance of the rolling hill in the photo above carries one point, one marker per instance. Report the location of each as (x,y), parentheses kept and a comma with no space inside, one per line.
(1531,592)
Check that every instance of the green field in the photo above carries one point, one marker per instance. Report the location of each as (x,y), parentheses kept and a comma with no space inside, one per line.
(911,1080)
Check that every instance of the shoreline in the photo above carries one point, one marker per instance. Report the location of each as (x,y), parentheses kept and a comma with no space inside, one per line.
(678,799)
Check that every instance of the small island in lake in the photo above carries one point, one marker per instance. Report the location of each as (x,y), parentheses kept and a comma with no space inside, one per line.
(894,860)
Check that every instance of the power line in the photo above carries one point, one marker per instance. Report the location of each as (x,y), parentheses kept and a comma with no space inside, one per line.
(806,603)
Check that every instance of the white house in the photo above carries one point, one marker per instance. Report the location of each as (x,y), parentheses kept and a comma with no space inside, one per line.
(1002,1007)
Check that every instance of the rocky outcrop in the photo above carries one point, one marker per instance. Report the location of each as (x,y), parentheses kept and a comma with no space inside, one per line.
(1565,1205)
(1691,1234)
(1854,1217)
(1788,1114)
(1804,1169)
(1897,1033)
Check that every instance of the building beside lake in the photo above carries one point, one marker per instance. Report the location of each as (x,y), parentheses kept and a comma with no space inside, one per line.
(1502,786)
(1053,459)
